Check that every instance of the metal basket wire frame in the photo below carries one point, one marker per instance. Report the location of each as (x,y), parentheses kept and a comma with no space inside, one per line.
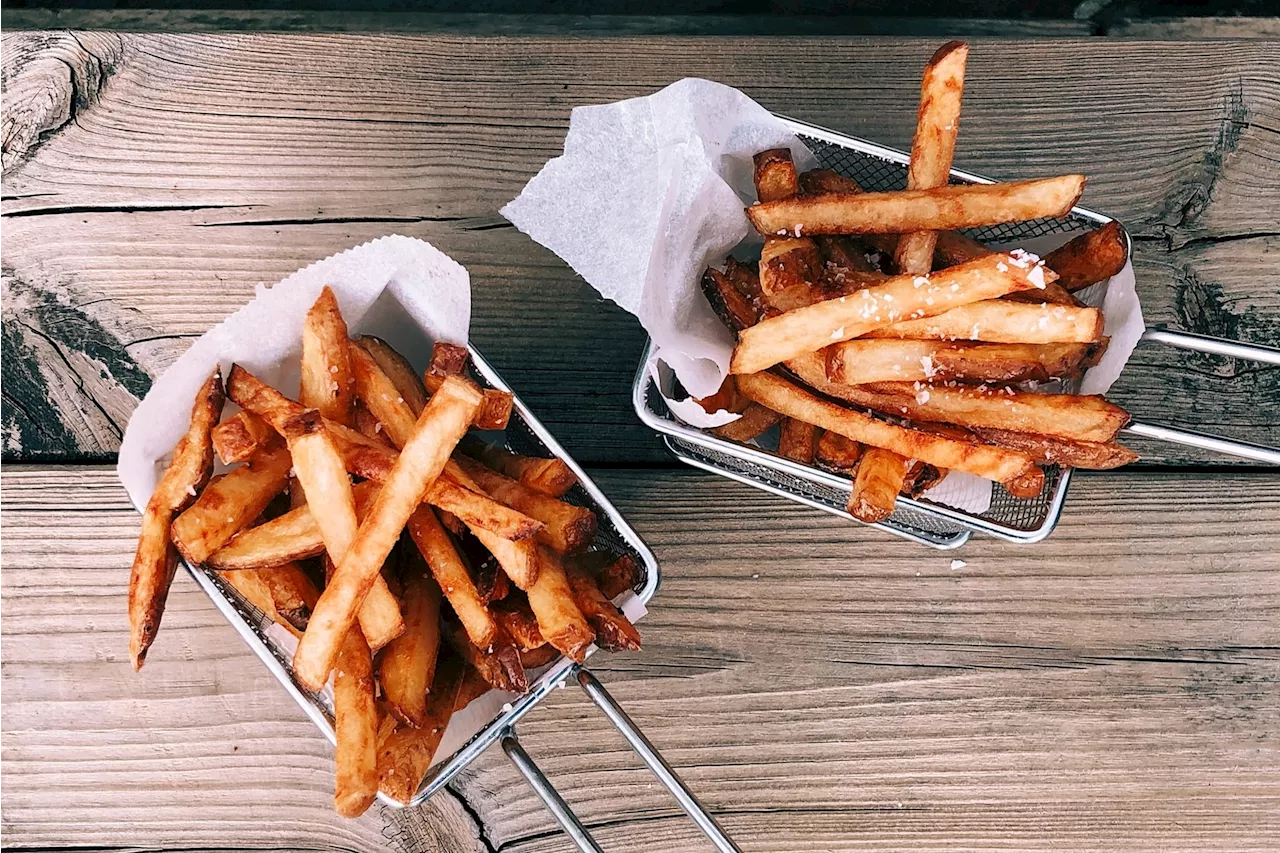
(527,436)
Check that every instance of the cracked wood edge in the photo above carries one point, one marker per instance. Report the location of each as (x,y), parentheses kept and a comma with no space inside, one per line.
(1188,173)
(1114,687)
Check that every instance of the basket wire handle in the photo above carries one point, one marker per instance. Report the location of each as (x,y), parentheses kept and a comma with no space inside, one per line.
(1204,441)
(561,811)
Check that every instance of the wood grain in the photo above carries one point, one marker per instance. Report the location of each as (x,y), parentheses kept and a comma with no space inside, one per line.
(1112,688)
(152,181)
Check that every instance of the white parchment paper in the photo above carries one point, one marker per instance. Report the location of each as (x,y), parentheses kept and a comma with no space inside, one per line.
(650,191)
(401,289)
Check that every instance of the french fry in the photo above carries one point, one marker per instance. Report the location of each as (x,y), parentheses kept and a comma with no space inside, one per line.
(405,756)
(775,174)
(291,592)
(155,562)
(452,576)
(443,422)
(451,360)
(1053,293)
(791,273)
(985,461)
(840,255)
(614,575)
(933,147)
(837,453)
(755,421)
(733,308)
(398,370)
(552,602)
(746,278)
(777,339)
(488,576)
(408,663)
(550,476)
(797,440)
(236,438)
(921,477)
(355,725)
(938,209)
(726,398)
(381,397)
(292,536)
(327,383)
(517,619)
(1028,484)
(1072,416)
(363,421)
(231,502)
(1002,321)
(499,663)
(613,630)
(569,529)
(879,479)
(955,248)
(471,688)
(1048,450)
(541,656)
(518,558)
(1089,258)
(859,362)
(253,589)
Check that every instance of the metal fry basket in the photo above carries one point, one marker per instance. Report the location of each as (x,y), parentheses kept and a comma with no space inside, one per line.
(527,436)
(1023,520)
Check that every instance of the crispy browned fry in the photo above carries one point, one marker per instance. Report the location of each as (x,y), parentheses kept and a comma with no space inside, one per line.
(443,422)
(405,756)
(518,558)
(327,383)
(876,485)
(1074,416)
(559,618)
(733,308)
(292,536)
(381,397)
(569,529)
(355,727)
(777,339)
(1089,258)
(886,360)
(938,209)
(842,256)
(791,273)
(614,575)
(1002,321)
(745,277)
(499,663)
(755,420)
(838,453)
(921,477)
(231,502)
(491,581)
(823,181)
(934,144)
(797,440)
(253,589)
(550,476)
(451,360)
(991,462)
(451,574)
(517,619)
(367,425)
(292,594)
(1053,293)
(541,656)
(408,663)
(775,174)
(955,248)
(1049,450)
(398,370)
(154,562)
(727,399)
(613,630)
(1028,484)
(238,436)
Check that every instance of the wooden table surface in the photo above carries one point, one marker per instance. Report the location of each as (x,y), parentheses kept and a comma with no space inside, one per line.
(820,685)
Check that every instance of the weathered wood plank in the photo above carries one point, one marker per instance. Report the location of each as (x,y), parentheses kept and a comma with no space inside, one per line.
(1111,688)
(197,167)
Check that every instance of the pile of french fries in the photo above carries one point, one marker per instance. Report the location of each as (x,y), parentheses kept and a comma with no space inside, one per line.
(417,565)
(893,348)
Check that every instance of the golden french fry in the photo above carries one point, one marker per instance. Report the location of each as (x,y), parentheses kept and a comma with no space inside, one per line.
(775,174)
(1049,450)
(569,529)
(236,438)
(355,726)
(791,273)
(613,629)
(381,397)
(938,209)
(985,461)
(755,420)
(405,756)
(862,361)
(443,422)
(517,558)
(1089,258)
(876,485)
(154,562)
(797,440)
(327,382)
(408,663)
(398,370)
(552,602)
(452,576)
(253,589)
(292,594)
(451,360)
(933,146)
(777,339)
(550,476)
(231,502)
(838,453)
(1002,321)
